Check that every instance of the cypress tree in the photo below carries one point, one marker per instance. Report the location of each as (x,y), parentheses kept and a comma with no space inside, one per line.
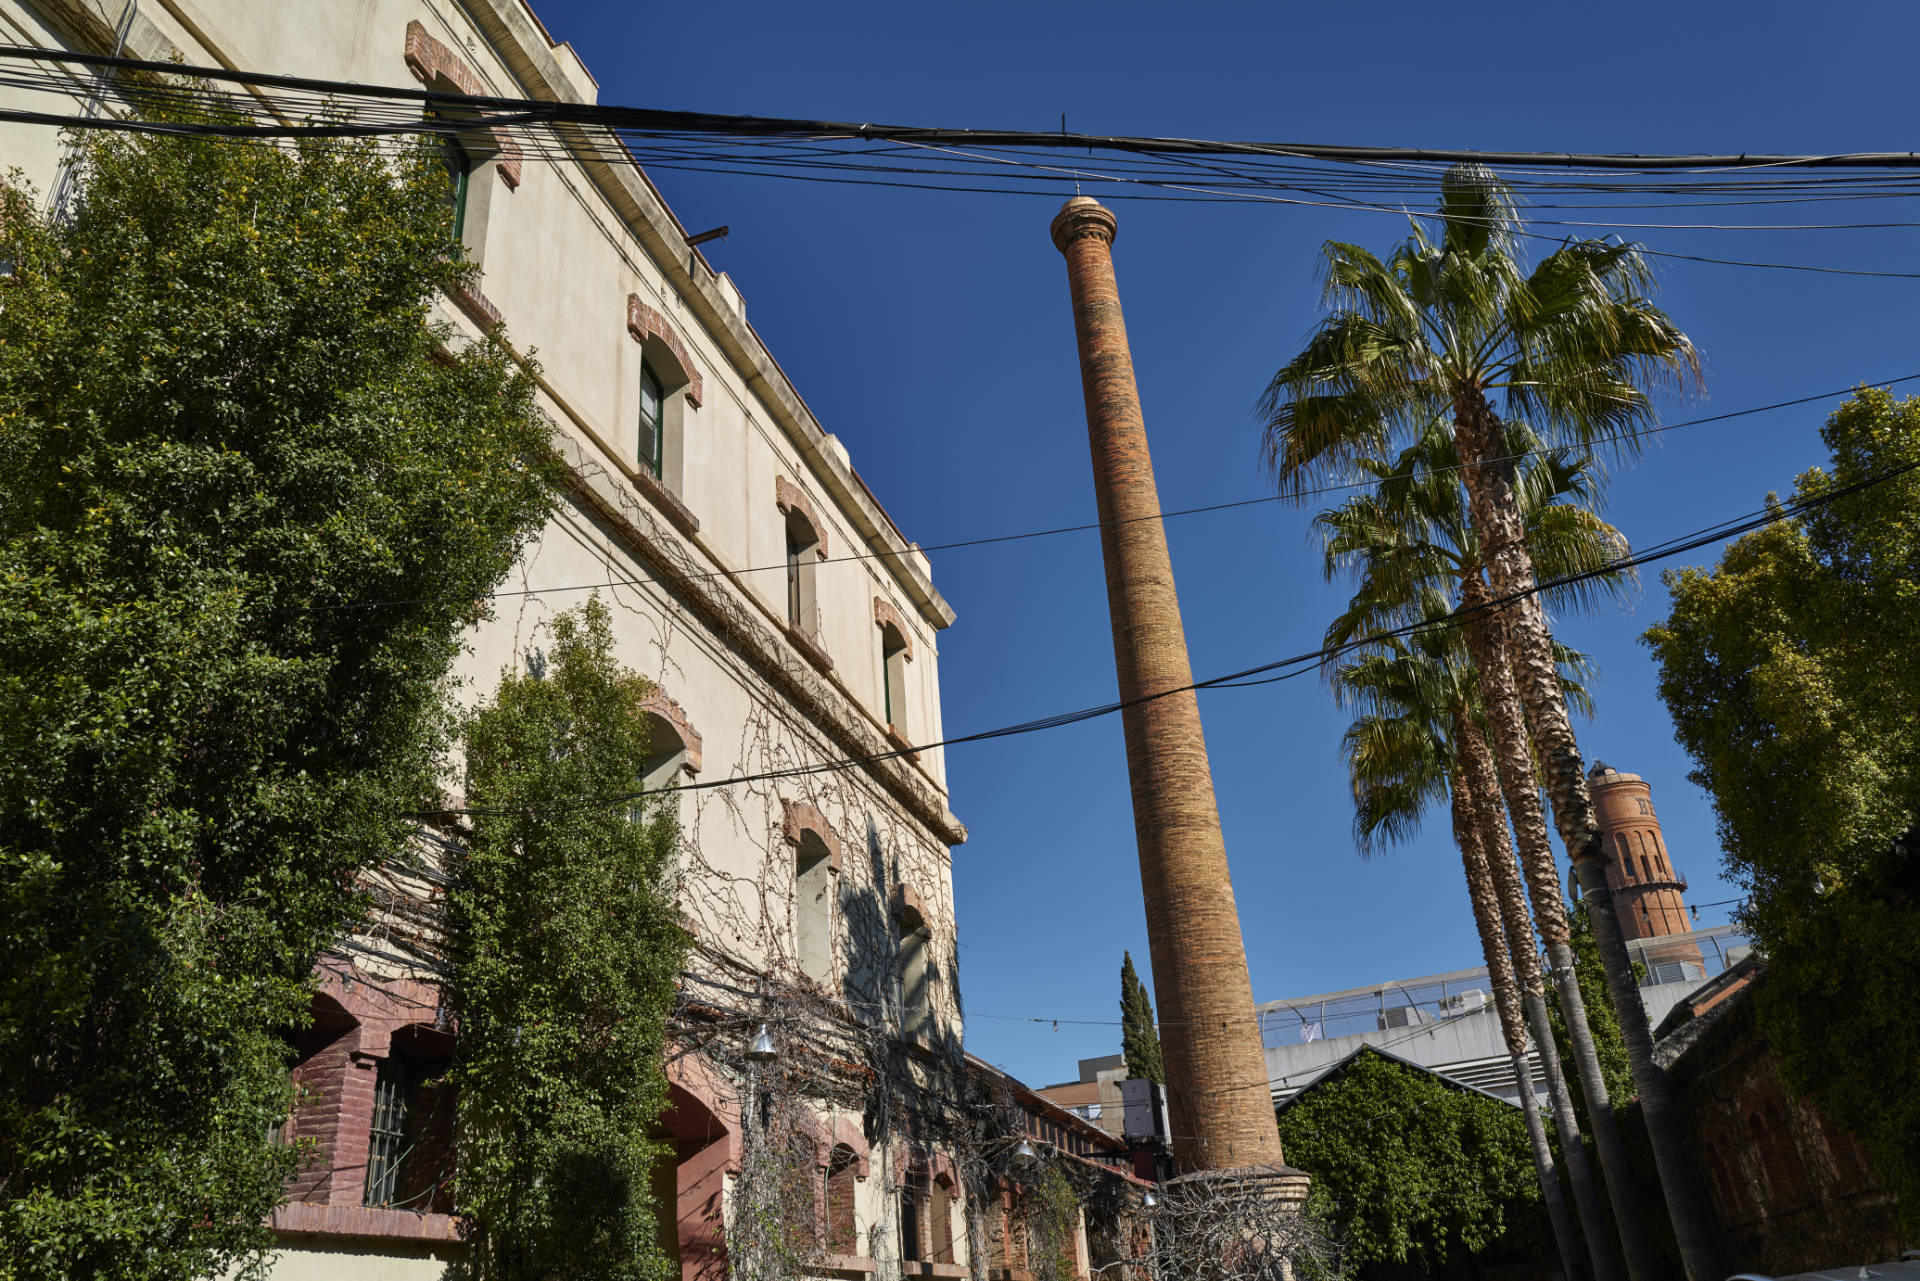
(1138,1038)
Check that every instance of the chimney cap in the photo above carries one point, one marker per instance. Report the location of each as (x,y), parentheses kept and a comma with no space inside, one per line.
(1083,216)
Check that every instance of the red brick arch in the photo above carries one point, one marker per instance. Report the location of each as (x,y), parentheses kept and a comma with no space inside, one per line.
(644,323)
(429,60)
(789,497)
(887,616)
(675,716)
(798,818)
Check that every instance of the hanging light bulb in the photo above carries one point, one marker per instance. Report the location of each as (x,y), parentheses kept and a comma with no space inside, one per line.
(1149,1202)
(762,1050)
(1024,1156)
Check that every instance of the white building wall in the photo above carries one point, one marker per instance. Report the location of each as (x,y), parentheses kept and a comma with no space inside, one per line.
(560,255)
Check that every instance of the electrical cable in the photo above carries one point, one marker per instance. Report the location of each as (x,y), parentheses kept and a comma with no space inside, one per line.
(991,539)
(1262,674)
(640,118)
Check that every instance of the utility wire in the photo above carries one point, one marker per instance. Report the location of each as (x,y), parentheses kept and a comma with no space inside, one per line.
(1021,536)
(691,122)
(1263,674)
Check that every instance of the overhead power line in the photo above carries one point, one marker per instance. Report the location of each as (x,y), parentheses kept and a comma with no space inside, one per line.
(526,110)
(1263,674)
(172,99)
(987,540)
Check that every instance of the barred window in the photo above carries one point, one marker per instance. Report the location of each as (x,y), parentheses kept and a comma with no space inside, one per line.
(387,1143)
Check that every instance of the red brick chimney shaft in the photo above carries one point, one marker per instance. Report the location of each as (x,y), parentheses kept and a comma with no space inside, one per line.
(1217,1100)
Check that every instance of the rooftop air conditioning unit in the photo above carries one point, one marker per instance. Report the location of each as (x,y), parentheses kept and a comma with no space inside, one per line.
(1404,1016)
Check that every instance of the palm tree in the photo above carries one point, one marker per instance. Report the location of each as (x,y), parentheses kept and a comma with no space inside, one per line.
(1437,331)
(1409,543)
(1402,756)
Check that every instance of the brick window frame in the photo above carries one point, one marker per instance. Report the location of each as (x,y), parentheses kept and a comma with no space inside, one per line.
(804,546)
(665,355)
(358,1021)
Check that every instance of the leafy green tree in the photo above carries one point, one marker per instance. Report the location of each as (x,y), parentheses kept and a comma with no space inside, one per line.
(248,498)
(567,926)
(1139,1037)
(1408,1171)
(1457,329)
(1792,670)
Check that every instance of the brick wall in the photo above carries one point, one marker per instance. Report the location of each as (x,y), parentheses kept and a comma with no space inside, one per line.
(1787,1190)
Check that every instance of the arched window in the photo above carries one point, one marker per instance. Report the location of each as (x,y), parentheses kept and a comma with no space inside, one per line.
(940,1201)
(1626,857)
(670,385)
(653,398)
(673,750)
(1786,1182)
(803,553)
(1849,1167)
(893,677)
(842,1170)
(813,884)
(913,1207)
(410,1141)
(1646,868)
(912,995)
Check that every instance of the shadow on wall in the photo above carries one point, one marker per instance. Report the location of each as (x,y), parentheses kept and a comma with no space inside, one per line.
(870,949)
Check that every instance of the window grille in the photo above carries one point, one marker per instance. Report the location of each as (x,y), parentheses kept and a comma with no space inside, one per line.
(387,1142)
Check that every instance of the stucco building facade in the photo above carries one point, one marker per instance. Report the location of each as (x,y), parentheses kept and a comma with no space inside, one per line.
(751,574)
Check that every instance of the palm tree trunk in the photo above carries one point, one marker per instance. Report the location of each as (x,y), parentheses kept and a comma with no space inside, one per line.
(1513,761)
(1489,483)
(1506,1000)
(1476,764)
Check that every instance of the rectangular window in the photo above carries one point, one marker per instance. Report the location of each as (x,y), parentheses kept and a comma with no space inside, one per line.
(387,1142)
(459,166)
(793,579)
(910,1243)
(652,438)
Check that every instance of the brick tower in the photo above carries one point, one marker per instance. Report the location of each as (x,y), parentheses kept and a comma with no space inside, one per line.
(1647,889)
(1217,1099)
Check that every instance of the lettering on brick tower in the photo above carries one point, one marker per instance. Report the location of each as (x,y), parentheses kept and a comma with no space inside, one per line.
(1217,1098)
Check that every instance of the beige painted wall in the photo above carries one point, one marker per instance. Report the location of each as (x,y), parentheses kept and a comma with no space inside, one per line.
(560,255)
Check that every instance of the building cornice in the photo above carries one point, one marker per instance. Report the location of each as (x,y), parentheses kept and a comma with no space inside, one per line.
(510,29)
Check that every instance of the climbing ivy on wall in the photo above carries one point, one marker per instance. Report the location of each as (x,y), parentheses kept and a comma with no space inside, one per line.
(570,943)
(248,498)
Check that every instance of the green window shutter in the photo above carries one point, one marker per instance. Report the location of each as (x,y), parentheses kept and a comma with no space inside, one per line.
(459,167)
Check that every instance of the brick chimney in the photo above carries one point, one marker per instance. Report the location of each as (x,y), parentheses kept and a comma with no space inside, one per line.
(1217,1097)
(1647,889)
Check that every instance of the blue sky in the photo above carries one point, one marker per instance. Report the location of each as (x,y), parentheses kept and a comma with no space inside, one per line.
(931,333)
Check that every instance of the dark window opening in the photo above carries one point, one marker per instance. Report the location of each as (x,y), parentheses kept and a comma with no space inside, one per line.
(459,166)
(893,677)
(912,1247)
(387,1144)
(410,1145)
(842,1169)
(652,418)
(803,554)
